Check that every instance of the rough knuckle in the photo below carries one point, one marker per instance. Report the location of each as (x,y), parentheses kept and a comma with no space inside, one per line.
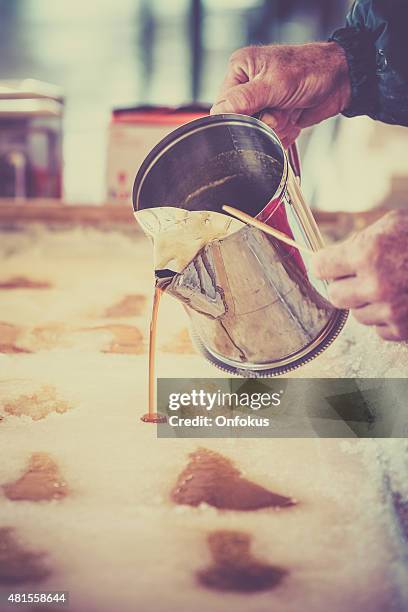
(237,56)
(242,98)
(246,56)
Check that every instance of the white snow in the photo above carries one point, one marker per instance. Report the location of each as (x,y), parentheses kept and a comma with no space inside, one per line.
(117,542)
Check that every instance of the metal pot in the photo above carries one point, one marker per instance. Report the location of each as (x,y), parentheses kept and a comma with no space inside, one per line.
(255,308)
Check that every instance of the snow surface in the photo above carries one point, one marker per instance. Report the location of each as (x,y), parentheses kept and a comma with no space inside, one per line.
(117,542)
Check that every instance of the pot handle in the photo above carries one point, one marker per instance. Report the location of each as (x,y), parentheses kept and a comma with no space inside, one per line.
(294,160)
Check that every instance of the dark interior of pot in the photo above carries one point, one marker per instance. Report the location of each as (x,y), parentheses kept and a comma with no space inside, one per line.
(221,164)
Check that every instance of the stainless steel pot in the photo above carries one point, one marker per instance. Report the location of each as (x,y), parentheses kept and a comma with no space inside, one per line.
(255,308)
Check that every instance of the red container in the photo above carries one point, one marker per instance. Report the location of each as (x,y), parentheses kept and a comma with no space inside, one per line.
(133,132)
(31,114)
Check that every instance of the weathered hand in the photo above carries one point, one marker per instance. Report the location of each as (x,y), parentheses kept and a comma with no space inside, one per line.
(295,85)
(369,274)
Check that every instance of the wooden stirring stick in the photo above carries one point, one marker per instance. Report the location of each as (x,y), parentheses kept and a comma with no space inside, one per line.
(265,228)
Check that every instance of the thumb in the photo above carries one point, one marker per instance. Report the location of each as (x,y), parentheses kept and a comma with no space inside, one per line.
(246,99)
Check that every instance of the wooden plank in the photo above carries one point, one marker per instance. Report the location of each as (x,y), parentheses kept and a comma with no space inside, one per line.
(56,212)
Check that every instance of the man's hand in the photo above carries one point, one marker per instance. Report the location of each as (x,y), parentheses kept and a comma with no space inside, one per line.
(369,274)
(295,85)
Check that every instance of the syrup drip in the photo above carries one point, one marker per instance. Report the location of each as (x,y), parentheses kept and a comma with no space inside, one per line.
(152,416)
(234,568)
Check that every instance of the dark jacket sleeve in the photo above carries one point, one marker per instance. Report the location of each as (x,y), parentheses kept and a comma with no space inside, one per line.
(375,41)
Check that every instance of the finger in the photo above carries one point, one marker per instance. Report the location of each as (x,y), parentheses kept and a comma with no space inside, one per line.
(276,119)
(312,116)
(247,99)
(232,79)
(286,129)
(290,136)
(334,262)
(294,116)
(390,332)
(372,314)
(230,82)
(348,293)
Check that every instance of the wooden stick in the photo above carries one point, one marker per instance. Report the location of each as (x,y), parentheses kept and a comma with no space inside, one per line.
(265,228)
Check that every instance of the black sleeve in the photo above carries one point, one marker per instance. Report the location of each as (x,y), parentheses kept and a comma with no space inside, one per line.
(375,41)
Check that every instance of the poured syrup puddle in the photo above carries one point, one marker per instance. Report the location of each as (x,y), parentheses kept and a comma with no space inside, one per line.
(211,478)
(21,282)
(9,335)
(234,568)
(132,305)
(41,481)
(18,565)
(152,416)
(37,405)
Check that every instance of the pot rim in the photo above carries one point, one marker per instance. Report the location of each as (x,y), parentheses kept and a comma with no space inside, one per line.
(201,124)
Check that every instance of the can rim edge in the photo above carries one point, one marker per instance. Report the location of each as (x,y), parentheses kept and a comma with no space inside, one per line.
(199,124)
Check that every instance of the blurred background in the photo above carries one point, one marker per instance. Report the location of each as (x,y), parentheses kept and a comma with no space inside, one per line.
(106,54)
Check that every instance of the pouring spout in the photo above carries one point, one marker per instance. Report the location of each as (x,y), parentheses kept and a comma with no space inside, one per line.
(164,277)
